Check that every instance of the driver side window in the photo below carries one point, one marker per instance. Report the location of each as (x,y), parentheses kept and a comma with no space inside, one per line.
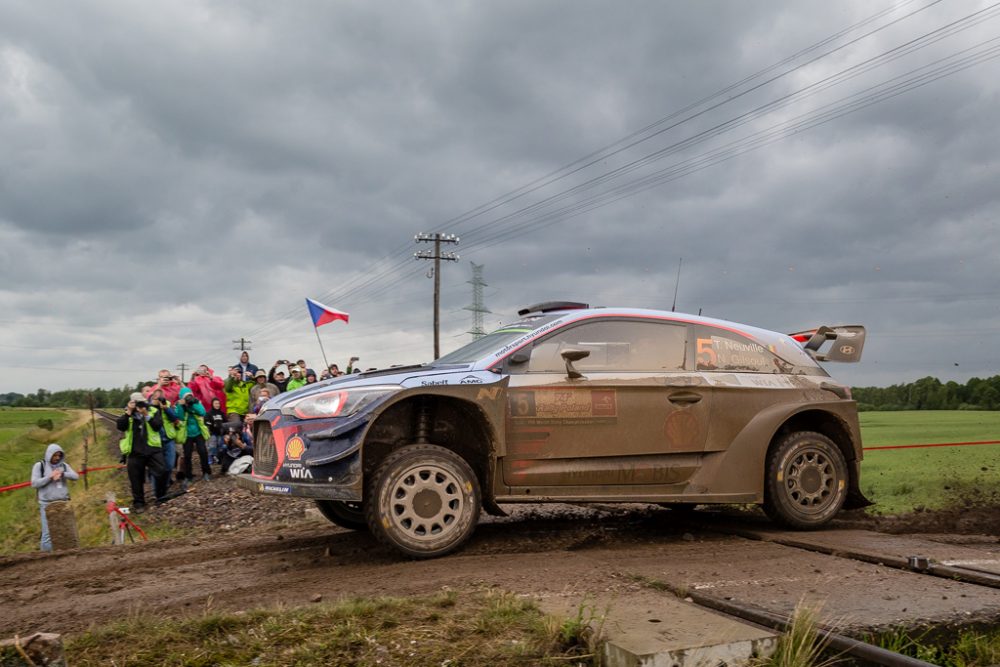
(613,346)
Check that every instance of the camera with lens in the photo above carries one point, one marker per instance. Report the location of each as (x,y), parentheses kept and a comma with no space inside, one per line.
(190,399)
(141,404)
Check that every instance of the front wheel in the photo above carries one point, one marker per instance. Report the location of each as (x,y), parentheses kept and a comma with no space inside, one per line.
(345,514)
(424,501)
(806,481)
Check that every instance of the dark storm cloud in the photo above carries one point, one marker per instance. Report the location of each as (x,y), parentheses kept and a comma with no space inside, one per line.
(179,175)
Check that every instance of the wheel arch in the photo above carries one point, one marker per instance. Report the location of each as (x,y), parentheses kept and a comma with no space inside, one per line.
(843,434)
(820,421)
(740,467)
(449,421)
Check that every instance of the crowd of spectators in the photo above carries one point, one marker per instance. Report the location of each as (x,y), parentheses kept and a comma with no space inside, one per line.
(210,415)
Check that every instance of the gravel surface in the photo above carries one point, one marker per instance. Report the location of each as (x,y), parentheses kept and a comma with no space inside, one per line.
(219,504)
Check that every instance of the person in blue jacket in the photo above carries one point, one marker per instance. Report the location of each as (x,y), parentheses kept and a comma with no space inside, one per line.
(245,368)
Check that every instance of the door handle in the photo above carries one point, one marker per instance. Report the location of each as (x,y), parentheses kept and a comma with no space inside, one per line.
(684,397)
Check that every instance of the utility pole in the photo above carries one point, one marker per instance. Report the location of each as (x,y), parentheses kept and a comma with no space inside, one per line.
(242,344)
(436,255)
(478,308)
(182,367)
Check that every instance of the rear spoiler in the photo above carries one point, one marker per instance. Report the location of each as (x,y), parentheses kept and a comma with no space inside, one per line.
(848,341)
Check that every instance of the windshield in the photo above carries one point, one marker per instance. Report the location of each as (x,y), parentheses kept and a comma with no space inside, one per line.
(491,342)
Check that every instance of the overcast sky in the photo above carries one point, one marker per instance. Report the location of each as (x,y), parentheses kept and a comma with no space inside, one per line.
(180,174)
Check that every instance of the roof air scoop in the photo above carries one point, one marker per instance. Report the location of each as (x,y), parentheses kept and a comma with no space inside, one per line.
(549,306)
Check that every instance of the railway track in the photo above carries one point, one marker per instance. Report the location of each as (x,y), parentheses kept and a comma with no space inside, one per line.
(917,564)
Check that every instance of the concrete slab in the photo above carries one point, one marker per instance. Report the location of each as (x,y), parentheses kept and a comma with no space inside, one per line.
(848,595)
(656,629)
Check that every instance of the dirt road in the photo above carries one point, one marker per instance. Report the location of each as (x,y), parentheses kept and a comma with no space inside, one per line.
(562,551)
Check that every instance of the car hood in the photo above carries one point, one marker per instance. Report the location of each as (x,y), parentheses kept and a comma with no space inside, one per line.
(405,378)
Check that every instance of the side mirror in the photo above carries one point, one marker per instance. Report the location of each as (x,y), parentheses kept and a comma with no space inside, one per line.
(571,355)
(520,357)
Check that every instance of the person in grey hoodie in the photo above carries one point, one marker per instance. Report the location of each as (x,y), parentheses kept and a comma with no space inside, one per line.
(48,477)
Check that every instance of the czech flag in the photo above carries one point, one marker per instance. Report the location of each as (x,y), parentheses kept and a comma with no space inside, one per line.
(321,314)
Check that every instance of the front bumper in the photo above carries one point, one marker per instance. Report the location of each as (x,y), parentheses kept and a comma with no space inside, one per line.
(300,489)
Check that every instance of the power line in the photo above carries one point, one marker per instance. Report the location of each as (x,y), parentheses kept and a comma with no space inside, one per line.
(747,144)
(353,286)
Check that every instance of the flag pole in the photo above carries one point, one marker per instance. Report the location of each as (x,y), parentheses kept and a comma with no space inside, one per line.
(327,364)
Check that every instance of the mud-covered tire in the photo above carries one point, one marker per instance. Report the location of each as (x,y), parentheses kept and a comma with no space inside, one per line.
(806,480)
(344,514)
(424,501)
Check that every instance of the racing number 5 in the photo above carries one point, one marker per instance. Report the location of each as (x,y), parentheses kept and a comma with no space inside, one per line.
(706,354)
(523,404)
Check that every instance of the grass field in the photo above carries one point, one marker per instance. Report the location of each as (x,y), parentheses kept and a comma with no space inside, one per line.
(900,480)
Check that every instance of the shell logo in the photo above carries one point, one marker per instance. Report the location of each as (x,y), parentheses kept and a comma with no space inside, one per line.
(294,448)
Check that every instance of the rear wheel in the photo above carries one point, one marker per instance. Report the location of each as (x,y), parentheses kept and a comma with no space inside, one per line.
(424,501)
(345,514)
(806,481)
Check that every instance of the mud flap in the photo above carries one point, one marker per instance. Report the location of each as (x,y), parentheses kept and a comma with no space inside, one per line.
(855,498)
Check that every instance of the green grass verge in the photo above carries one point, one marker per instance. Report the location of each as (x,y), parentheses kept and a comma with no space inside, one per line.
(902,480)
(971,648)
(476,628)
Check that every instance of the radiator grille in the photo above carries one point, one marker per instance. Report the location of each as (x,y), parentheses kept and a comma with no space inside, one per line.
(265,455)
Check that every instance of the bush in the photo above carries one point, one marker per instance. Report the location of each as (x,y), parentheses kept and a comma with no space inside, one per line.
(45,424)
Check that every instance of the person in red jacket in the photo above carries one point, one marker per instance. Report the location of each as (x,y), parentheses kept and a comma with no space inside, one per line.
(206,385)
(170,387)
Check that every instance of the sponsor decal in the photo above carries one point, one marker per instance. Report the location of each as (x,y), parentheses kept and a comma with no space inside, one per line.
(847,349)
(470,379)
(681,428)
(432,383)
(274,488)
(565,406)
(488,392)
(718,352)
(300,473)
(294,448)
(524,339)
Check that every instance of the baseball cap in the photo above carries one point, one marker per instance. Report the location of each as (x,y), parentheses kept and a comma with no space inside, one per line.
(260,374)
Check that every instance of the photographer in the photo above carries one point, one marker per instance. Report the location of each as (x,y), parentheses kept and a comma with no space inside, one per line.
(351,368)
(168,384)
(235,443)
(168,434)
(277,376)
(141,449)
(237,393)
(245,368)
(206,386)
(192,417)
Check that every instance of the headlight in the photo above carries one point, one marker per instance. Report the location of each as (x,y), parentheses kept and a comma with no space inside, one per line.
(336,403)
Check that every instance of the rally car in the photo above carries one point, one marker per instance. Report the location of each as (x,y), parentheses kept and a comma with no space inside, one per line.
(573,404)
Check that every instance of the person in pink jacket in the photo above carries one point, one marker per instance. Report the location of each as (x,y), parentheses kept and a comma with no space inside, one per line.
(206,385)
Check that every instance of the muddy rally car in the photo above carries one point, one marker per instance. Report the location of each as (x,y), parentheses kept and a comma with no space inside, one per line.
(573,404)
